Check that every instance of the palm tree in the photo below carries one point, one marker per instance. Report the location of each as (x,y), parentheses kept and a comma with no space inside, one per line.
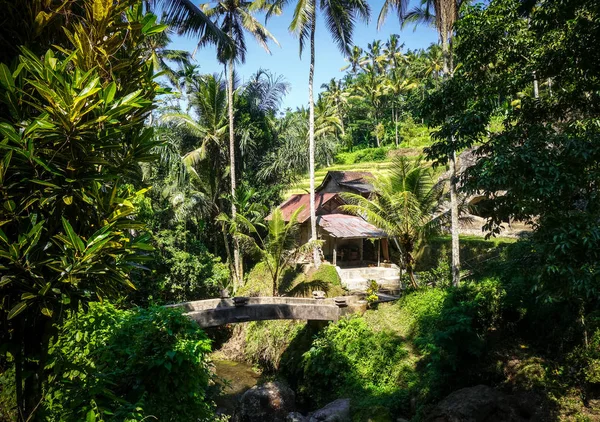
(160,54)
(289,159)
(375,57)
(235,18)
(340,17)
(443,14)
(355,60)
(393,52)
(205,162)
(371,87)
(188,19)
(396,86)
(406,207)
(336,97)
(279,249)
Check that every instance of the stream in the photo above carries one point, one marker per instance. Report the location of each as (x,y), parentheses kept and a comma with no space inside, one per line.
(236,378)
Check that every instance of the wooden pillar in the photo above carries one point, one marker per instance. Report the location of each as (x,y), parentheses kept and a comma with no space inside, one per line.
(378,251)
(334,251)
(361,248)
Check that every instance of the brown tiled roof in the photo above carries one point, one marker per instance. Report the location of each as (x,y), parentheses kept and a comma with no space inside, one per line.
(357,180)
(303,200)
(349,226)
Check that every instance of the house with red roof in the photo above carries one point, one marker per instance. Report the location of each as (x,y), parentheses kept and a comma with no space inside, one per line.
(348,240)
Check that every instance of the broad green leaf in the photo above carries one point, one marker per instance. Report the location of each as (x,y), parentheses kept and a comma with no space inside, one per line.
(157,29)
(68,199)
(28,295)
(45,183)
(47,311)
(75,240)
(10,205)
(17,309)
(90,89)
(109,92)
(3,236)
(130,97)
(6,78)
(45,289)
(9,132)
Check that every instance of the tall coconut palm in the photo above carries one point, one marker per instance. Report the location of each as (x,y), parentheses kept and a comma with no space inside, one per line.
(396,86)
(235,18)
(336,97)
(406,207)
(188,19)
(393,52)
(372,88)
(206,162)
(355,60)
(340,18)
(443,14)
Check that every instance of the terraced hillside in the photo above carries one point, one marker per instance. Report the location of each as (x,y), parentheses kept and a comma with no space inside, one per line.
(378,168)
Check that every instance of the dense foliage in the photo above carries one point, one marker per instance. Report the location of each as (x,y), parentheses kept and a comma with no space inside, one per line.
(72,120)
(129,365)
(539,78)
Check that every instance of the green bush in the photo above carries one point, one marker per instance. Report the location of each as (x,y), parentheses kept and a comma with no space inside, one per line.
(267,341)
(585,360)
(184,270)
(349,359)
(474,252)
(127,365)
(362,155)
(327,274)
(8,394)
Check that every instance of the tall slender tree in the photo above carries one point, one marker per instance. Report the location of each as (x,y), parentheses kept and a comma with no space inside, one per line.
(340,18)
(443,14)
(235,18)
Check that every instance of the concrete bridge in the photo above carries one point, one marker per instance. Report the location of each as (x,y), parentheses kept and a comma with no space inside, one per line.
(215,312)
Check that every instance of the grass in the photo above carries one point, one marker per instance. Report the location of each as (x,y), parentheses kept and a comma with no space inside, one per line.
(378,168)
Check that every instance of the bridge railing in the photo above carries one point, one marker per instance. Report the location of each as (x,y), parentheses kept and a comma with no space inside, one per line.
(215,312)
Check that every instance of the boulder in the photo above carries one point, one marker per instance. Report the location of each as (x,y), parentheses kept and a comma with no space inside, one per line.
(271,402)
(336,411)
(479,404)
(295,417)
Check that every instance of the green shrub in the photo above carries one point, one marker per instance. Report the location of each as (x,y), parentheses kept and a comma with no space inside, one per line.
(328,274)
(439,276)
(349,359)
(372,291)
(8,394)
(474,251)
(182,270)
(126,365)
(450,330)
(585,360)
(267,341)
(362,155)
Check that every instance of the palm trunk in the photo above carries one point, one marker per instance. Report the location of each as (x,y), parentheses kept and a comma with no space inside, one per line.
(311,143)
(237,276)
(395,112)
(453,177)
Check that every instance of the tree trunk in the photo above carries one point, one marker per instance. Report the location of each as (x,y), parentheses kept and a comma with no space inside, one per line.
(229,260)
(395,111)
(454,222)
(311,143)
(237,276)
(453,192)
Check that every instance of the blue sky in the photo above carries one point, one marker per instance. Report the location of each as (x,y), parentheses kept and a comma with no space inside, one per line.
(286,61)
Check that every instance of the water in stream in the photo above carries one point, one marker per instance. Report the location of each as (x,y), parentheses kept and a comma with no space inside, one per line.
(237,378)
